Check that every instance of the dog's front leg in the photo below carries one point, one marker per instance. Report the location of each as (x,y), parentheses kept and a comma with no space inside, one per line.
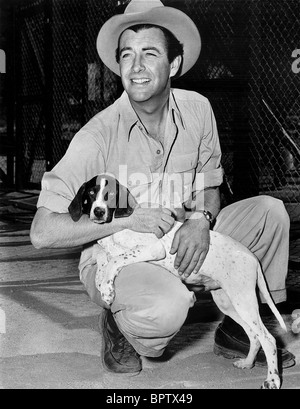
(138,254)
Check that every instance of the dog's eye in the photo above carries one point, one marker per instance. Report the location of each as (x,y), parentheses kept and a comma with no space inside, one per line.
(91,192)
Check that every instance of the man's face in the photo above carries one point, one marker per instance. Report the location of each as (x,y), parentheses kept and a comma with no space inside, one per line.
(144,66)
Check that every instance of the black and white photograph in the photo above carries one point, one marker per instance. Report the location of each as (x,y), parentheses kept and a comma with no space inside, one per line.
(149,197)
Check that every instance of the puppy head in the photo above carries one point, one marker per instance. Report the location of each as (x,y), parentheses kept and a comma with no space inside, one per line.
(102,198)
(82,202)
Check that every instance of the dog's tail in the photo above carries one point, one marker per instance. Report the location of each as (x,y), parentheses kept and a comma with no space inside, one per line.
(261,282)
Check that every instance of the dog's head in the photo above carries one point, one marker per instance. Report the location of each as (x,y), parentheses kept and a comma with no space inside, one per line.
(102,198)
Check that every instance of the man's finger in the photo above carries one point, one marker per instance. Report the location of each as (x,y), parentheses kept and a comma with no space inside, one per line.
(189,262)
(164,226)
(175,244)
(200,261)
(179,257)
(158,233)
(168,219)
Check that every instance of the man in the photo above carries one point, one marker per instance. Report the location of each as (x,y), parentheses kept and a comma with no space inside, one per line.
(150,135)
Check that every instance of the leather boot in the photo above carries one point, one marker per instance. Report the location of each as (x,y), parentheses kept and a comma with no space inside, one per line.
(118,355)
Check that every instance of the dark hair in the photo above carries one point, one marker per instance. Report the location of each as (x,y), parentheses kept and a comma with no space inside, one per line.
(174,47)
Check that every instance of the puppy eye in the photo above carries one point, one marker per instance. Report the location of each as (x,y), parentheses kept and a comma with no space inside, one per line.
(91,192)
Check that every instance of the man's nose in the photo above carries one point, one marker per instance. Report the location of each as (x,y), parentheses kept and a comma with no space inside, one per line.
(138,64)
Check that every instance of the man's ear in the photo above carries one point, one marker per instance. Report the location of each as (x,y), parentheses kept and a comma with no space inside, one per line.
(75,208)
(175,66)
(126,202)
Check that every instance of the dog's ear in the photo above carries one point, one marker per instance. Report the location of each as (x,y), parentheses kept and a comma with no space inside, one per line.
(75,208)
(126,202)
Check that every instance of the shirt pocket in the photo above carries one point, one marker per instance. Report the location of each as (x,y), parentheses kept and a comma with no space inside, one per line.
(184,163)
(182,171)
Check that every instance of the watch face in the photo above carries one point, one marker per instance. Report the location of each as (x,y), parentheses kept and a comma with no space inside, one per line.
(208,215)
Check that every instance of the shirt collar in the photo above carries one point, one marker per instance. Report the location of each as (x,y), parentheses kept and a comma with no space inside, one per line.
(130,118)
(174,107)
(127,114)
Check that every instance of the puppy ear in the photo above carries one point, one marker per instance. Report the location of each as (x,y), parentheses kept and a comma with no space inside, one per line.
(75,208)
(126,202)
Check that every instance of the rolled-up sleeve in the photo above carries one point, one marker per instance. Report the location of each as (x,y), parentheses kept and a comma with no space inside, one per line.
(55,195)
(209,172)
(82,161)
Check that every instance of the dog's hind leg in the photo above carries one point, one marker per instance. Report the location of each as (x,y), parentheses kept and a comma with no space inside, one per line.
(268,344)
(247,316)
(249,313)
(224,304)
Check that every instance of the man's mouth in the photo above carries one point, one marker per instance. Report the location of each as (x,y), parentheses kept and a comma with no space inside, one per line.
(140,81)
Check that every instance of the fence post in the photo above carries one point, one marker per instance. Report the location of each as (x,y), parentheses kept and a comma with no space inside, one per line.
(11,99)
(48,96)
(17,28)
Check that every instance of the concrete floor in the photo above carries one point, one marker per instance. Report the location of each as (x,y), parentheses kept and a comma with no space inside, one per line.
(50,339)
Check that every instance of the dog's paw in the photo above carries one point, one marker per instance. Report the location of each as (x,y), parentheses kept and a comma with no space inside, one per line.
(243,364)
(271,384)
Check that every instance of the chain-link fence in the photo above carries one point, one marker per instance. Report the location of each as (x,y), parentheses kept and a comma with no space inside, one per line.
(246,69)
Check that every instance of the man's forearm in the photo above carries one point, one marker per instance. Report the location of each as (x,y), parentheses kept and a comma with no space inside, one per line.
(54,230)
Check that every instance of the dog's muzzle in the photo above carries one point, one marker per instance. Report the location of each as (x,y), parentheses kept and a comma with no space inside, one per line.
(99,214)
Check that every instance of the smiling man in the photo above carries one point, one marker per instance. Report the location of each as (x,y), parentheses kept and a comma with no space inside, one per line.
(163,145)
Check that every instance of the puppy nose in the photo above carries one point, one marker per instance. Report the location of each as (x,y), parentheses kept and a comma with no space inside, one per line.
(99,212)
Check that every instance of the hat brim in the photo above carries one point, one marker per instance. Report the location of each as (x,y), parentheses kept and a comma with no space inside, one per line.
(170,18)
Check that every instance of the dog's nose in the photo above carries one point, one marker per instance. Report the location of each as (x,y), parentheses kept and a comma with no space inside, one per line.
(99,212)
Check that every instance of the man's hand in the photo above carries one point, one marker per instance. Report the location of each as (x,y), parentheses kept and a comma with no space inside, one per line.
(157,220)
(191,243)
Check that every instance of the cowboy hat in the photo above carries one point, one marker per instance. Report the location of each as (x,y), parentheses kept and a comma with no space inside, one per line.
(149,12)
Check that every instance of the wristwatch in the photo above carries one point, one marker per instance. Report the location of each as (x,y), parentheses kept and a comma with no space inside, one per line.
(208,216)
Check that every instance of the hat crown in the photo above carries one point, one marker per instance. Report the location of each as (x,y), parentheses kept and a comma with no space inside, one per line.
(140,6)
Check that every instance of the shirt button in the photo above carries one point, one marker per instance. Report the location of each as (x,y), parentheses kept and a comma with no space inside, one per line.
(158,151)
